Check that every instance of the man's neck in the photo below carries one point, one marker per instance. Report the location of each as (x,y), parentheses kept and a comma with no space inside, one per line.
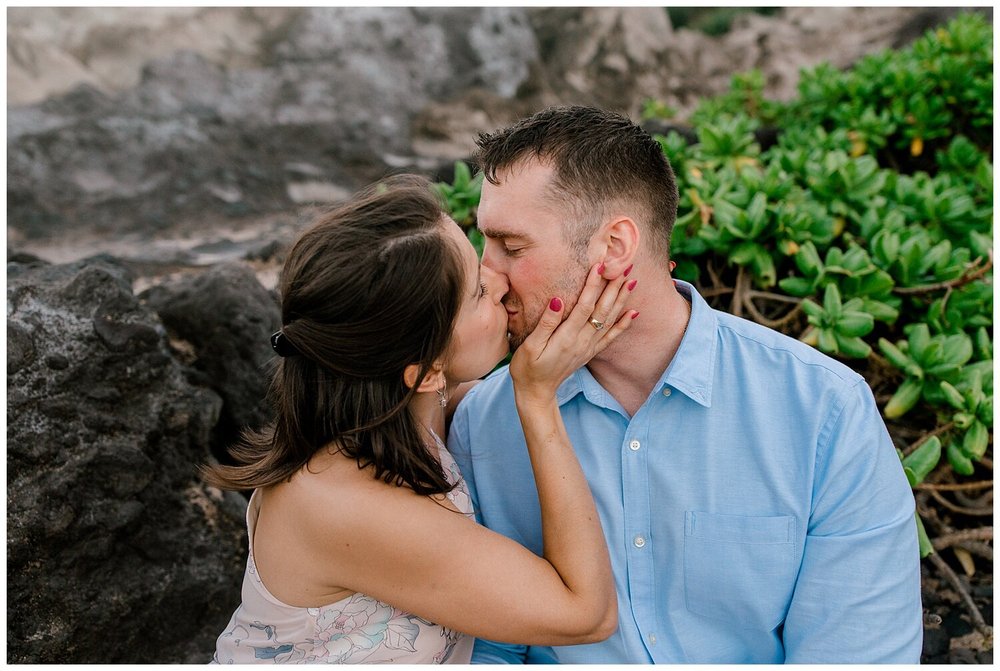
(631,367)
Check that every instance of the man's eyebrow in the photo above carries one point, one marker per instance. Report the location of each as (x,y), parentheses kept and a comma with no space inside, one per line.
(498,233)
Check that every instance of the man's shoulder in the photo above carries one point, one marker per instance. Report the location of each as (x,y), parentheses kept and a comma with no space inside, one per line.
(768,346)
(495,387)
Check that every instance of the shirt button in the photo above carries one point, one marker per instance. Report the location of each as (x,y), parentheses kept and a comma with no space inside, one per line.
(666,391)
(639,541)
(652,639)
(634,445)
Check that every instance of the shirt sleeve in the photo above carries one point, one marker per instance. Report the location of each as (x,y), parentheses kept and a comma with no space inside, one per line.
(857,597)
(491,652)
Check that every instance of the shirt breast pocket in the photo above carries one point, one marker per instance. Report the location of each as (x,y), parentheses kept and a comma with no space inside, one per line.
(739,569)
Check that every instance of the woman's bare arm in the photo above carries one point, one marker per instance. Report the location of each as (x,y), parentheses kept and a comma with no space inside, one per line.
(421,557)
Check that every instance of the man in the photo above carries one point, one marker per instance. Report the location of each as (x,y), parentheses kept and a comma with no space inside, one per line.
(752,501)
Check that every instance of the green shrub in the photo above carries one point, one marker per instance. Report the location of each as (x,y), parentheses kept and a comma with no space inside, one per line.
(889,165)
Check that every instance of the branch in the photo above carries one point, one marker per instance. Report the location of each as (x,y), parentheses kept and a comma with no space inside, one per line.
(978,549)
(974,512)
(954,487)
(739,293)
(977,616)
(771,296)
(972,273)
(942,542)
(718,291)
(927,436)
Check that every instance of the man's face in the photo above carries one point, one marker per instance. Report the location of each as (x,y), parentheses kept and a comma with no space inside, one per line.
(524,228)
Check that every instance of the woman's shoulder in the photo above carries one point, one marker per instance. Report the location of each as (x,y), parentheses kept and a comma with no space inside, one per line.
(333,495)
(329,480)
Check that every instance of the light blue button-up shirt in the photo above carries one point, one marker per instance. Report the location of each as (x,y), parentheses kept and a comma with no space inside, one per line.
(754,506)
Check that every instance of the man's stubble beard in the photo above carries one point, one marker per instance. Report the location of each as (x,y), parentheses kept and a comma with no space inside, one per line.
(567,288)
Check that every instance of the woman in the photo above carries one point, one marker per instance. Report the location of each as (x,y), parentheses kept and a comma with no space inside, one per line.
(357,504)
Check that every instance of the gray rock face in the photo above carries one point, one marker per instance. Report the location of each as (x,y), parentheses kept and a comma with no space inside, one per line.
(115,551)
(221,321)
(336,93)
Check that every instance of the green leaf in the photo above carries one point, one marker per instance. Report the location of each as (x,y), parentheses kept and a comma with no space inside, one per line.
(812,309)
(922,461)
(926,547)
(892,353)
(957,349)
(881,311)
(827,341)
(876,283)
(933,354)
(831,301)
(981,244)
(744,253)
(886,243)
(960,463)
(756,213)
(808,259)
(975,441)
(462,175)
(853,347)
(854,324)
(920,339)
(952,395)
(985,411)
(796,286)
(937,254)
(984,344)
(764,266)
(904,399)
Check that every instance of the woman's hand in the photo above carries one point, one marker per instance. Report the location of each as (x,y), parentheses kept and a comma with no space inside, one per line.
(556,347)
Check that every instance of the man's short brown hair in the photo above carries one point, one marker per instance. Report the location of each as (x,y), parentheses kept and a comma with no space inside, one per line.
(601,160)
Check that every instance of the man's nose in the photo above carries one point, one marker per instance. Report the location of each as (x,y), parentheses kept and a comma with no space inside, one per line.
(497,283)
(488,260)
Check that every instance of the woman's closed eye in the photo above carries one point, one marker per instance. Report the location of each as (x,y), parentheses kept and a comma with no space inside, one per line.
(483,289)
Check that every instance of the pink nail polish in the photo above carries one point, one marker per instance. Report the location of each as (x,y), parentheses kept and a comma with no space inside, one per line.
(555,305)
(600,268)
(635,315)
(627,270)
(631,285)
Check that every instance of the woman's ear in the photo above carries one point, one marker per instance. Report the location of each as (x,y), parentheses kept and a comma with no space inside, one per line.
(618,245)
(433,381)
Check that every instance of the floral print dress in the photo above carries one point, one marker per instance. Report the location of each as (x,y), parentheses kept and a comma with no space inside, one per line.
(358,629)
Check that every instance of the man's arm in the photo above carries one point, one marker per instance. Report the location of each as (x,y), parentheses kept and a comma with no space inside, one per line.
(857,597)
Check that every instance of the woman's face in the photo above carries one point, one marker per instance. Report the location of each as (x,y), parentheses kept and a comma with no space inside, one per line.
(479,340)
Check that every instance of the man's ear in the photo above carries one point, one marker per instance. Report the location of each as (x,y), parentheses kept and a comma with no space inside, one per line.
(616,245)
(433,381)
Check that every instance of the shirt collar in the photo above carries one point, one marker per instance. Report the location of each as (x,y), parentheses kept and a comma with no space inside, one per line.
(690,372)
(693,367)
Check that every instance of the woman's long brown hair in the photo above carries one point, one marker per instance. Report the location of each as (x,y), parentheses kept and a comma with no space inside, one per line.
(373,286)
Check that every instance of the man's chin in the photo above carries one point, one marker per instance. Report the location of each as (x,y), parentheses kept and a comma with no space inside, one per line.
(515,340)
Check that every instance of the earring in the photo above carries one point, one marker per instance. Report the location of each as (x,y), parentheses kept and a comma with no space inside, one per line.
(442,397)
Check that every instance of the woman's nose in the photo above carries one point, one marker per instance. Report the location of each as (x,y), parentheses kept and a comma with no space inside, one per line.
(496,283)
